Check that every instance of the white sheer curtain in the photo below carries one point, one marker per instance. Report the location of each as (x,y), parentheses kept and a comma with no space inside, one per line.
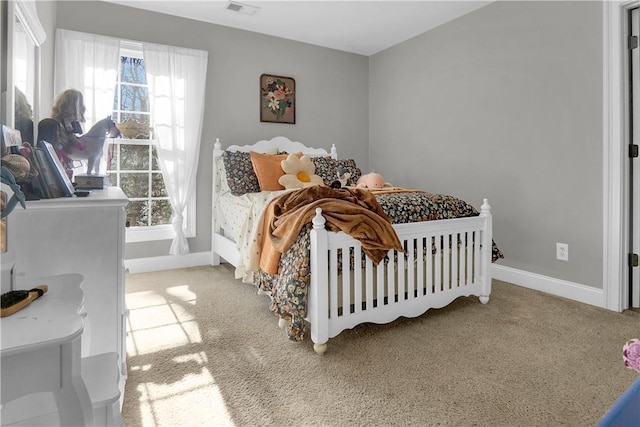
(177,78)
(88,63)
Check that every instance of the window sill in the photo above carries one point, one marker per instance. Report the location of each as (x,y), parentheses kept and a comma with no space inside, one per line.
(149,234)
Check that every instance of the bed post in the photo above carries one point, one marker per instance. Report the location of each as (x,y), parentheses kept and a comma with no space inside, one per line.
(487,243)
(217,151)
(318,305)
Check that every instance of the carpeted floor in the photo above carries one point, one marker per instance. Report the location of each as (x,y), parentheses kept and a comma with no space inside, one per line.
(204,349)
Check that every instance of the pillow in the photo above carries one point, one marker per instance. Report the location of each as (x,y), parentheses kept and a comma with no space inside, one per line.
(298,173)
(327,169)
(268,170)
(240,175)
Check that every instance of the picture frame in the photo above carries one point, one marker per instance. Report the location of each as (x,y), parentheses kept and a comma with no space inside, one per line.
(277,99)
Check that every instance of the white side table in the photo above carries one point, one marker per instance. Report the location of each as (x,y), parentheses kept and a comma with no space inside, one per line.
(40,349)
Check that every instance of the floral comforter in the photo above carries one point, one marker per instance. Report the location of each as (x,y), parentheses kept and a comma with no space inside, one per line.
(289,288)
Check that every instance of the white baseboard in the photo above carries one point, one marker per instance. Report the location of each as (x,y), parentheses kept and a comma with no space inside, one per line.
(550,285)
(167,262)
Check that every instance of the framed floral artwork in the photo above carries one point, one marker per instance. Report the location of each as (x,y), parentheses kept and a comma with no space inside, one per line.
(277,99)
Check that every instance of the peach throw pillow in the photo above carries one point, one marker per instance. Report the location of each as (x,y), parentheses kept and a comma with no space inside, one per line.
(268,170)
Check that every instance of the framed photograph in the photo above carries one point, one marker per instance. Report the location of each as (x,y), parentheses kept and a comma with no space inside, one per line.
(277,99)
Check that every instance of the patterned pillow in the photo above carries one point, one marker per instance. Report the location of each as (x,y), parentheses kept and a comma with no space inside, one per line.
(240,175)
(327,169)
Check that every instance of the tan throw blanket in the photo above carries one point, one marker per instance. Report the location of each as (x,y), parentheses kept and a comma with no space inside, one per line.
(352,210)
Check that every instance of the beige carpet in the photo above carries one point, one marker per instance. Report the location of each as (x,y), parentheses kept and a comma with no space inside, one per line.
(205,350)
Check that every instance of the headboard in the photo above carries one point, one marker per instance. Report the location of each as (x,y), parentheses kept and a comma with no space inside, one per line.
(276,144)
(222,245)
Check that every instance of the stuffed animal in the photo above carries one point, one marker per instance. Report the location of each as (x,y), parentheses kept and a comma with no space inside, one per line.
(372,180)
(343,178)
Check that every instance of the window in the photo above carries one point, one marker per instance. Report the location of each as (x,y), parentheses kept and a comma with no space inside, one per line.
(132,162)
(164,88)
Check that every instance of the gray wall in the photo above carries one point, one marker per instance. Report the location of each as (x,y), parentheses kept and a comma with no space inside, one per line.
(332,89)
(504,103)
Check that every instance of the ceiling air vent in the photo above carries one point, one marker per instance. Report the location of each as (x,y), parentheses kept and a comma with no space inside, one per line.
(235,6)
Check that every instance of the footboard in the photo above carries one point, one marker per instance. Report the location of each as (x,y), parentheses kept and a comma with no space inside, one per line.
(442,261)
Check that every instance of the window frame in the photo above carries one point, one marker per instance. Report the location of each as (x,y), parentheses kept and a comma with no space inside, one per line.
(136,234)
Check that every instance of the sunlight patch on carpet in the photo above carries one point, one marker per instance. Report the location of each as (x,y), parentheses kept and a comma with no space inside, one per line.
(159,321)
(171,401)
(164,322)
(182,293)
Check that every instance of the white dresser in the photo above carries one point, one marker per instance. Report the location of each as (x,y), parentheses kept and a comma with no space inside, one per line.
(78,235)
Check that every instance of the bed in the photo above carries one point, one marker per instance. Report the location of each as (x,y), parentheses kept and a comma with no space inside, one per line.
(328,279)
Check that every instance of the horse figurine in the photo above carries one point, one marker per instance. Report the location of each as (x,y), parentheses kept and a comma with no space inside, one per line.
(91,144)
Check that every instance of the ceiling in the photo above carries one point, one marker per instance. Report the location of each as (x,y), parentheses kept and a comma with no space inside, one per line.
(362,27)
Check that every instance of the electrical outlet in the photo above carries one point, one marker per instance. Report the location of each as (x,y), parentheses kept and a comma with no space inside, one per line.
(562,251)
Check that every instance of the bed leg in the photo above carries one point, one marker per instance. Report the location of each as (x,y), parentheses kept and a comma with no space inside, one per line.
(320,348)
(484,299)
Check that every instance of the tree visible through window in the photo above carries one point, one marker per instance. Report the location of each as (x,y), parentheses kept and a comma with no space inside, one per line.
(132,160)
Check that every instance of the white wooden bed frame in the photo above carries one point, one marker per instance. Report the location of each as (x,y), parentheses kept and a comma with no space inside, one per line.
(409,287)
